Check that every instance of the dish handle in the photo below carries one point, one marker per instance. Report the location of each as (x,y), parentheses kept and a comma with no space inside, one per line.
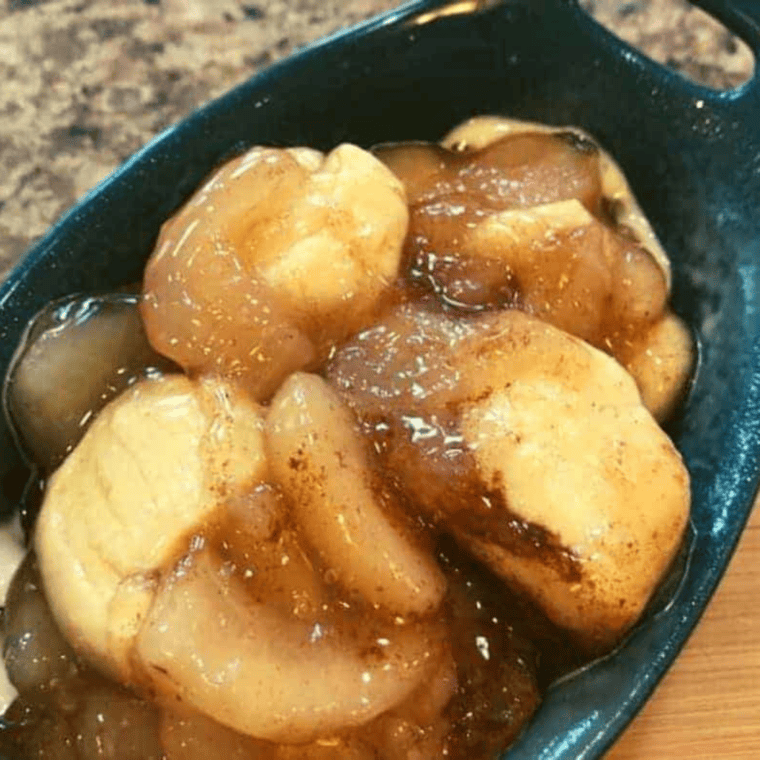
(741,16)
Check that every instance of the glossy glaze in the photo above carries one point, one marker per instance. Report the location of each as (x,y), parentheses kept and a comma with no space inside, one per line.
(690,153)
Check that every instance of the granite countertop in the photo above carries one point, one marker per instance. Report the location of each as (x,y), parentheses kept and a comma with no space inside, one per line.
(85,83)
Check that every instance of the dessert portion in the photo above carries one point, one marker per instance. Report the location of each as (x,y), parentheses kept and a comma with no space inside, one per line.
(278,256)
(373,460)
(510,214)
(349,517)
(621,205)
(564,484)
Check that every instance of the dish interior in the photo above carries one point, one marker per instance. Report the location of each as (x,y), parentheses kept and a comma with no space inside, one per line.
(691,155)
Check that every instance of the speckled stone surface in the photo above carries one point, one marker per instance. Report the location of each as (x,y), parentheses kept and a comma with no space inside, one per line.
(85,83)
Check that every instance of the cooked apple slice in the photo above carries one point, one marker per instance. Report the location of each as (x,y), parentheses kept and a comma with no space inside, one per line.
(346,513)
(563,482)
(280,254)
(172,565)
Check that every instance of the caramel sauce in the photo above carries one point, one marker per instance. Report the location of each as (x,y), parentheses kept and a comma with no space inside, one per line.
(505,651)
(396,377)
(452,193)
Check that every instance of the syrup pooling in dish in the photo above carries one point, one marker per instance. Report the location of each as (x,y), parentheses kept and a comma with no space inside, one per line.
(404,476)
(77,355)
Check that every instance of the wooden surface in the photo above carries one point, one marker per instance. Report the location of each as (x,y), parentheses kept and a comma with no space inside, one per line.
(708,705)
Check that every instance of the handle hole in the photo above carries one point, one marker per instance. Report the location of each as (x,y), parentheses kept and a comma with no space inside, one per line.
(679,35)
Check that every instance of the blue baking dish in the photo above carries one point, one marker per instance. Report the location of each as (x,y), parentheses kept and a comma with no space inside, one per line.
(692,156)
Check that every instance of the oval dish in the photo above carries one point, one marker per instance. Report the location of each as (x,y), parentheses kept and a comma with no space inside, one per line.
(692,156)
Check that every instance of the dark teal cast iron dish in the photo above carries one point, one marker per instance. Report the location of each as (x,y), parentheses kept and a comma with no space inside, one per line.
(692,156)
